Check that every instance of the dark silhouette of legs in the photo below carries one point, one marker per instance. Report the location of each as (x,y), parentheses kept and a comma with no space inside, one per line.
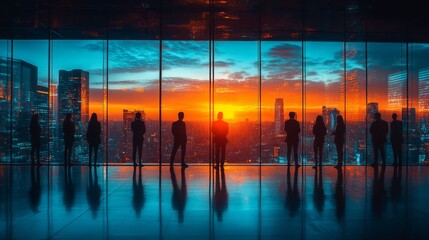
(134,153)
(220,154)
(397,153)
(173,152)
(183,153)
(383,154)
(318,148)
(35,149)
(140,148)
(95,153)
(289,152)
(90,153)
(340,155)
(376,149)
(68,153)
(295,153)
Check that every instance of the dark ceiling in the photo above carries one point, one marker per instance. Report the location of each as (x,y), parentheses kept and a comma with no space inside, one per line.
(323,20)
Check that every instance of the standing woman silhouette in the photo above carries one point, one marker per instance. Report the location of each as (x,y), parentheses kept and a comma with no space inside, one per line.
(93,137)
(319,132)
(339,134)
(35,132)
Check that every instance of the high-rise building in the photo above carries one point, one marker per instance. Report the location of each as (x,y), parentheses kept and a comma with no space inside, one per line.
(279,117)
(397,90)
(424,92)
(18,87)
(371,109)
(73,97)
(329,115)
(42,108)
(350,93)
(127,135)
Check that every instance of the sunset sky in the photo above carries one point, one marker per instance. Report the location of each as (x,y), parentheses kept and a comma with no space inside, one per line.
(133,74)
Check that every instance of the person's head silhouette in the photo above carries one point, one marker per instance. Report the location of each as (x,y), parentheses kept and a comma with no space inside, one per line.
(35,118)
(291,115)
(181,115)
(93,117)
(377,116)
(394,116)
(319,120)
(340,119)
(68,116)
(138,116)
(220,115)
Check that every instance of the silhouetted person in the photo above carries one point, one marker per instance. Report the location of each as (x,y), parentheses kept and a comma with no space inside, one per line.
(69,129)
(138,194)
(178,129)
(139,129)
(339,135)
(396,139)
(220,198)
(93,193)
(220,130)
(379,129)
(69,192)
(319,132)
(35,191)
(292,130)
(35,132)
(379,193)
(93,137)
(318,193)
(179,194)
(293,201)
(340,199)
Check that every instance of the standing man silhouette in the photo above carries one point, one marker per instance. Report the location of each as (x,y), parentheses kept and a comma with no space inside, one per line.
(35,132)
(396,139)
(69,129)
(139,129)
(179,132)
(292,130)
(220,129)
(379,129)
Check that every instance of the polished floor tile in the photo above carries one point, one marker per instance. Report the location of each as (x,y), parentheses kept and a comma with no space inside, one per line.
(241,202)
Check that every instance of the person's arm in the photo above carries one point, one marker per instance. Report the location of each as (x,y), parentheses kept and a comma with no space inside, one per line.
(299,128)
(227,129)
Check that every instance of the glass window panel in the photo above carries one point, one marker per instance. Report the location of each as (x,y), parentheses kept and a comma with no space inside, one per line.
(236,94)
(30,95)
(387,90)
(355,97)
(78,82)
(5,101)
(185,88)
(281,94)
(324,84)
(418,93)
(133,87)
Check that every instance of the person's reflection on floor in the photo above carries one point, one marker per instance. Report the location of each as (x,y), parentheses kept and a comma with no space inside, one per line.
(318,194)
(293,201)
(138,193)
(220,198)
(69,192)
(379,193)
(35,190)
(340,200)
(396,191)
(93,192)
(179,194)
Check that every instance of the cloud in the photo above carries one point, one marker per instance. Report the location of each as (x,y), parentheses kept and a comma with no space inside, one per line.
(285,51)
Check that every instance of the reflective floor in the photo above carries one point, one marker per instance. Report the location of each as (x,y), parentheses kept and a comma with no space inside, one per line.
(241,202)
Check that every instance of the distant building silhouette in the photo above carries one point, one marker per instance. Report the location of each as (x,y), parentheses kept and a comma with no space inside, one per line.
(73,97)
(397,90)
(424,92)
(371,109)
(127,134)
(279,117)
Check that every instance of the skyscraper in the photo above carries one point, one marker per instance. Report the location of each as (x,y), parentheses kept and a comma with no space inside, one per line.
(18,87)
(371,109)
(424,92)
(127,143)
(397,90)
(279,117)
(73,97)
(329,115)
(42,108)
